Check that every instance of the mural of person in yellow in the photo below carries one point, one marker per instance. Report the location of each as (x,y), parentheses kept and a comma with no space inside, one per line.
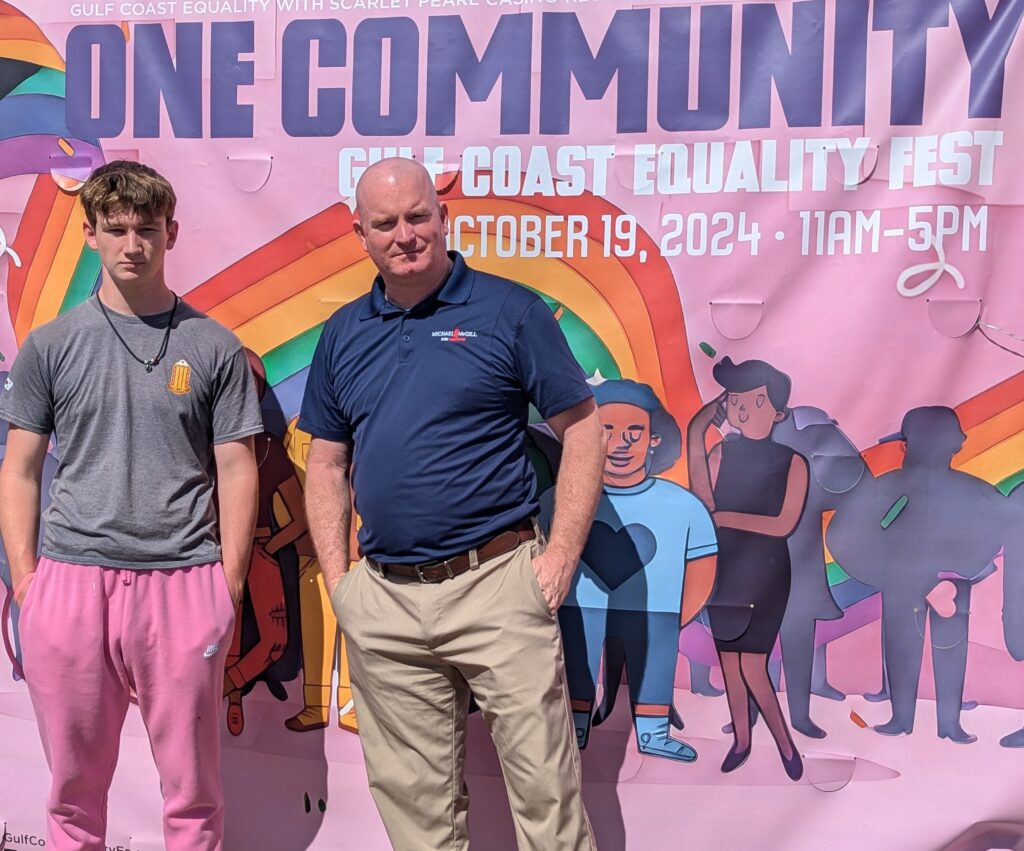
(320,637)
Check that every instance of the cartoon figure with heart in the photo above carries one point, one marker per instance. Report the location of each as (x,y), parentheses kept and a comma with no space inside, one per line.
(647,569)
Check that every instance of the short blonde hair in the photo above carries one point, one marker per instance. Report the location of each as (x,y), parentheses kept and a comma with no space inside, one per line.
(123,186)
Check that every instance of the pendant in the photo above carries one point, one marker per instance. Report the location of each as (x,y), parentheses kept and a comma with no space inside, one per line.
(149,366)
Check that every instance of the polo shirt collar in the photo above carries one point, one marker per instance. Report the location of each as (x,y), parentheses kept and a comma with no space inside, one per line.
(455,290)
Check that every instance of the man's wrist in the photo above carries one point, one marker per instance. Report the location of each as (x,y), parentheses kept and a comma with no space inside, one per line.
(561,553)
(333,574)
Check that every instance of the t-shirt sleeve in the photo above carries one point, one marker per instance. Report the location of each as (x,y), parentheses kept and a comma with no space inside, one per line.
(321,415)
(27,398)
(552,378)
(701,539)
(236,407)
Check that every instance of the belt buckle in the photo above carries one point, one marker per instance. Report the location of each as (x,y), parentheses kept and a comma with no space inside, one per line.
(438,563)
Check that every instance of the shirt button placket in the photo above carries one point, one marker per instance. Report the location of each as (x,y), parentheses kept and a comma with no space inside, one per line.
(405,343)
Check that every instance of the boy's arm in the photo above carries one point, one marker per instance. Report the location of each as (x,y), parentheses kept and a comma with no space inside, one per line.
(237,488)
(20,482)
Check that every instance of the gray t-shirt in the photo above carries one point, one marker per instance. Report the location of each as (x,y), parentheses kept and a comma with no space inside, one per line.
(135,477)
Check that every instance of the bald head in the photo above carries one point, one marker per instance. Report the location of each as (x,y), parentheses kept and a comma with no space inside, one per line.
(393,173)
(403,227)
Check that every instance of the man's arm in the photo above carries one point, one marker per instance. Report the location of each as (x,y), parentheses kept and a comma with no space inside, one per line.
(329,506)
(577,491)
(20,483)
(237,490)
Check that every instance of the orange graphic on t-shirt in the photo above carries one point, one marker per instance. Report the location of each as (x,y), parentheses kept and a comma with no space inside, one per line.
(181,372)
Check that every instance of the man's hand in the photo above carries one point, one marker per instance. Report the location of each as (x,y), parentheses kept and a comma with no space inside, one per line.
(554,575)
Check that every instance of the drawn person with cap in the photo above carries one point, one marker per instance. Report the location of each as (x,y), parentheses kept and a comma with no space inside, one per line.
(923,535)
(756,489)
(1013,592)
(647,569)
(422,389)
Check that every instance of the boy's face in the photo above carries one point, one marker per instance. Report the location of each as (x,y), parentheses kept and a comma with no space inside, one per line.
(132,246)
(630,441)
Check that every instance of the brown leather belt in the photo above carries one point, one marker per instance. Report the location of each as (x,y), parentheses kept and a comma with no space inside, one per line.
(449,568)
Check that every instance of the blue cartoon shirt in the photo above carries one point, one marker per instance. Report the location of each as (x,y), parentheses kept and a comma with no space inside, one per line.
(636,554)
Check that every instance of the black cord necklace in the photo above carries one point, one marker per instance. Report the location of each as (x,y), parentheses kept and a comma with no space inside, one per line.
(149,363)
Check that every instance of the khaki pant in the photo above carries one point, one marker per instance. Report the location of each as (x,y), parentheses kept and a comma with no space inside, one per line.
(415,652)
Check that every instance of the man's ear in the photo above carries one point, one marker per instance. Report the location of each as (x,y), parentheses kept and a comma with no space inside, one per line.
(172,233)
(357,229)
(90,234)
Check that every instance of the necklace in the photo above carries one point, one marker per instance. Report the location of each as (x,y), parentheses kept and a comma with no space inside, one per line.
(149,363)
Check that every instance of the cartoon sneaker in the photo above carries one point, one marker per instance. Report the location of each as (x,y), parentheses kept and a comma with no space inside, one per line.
(581,721)
(652,737)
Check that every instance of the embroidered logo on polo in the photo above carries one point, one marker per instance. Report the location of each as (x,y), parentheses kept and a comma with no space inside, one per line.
(456,336)
(181,374)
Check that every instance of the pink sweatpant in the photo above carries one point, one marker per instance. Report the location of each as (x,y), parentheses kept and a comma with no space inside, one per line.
(88,635)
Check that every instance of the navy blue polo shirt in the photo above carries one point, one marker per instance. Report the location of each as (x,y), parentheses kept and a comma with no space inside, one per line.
(435,400)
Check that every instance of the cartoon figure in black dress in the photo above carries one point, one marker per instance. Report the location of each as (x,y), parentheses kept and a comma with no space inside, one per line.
(756,490)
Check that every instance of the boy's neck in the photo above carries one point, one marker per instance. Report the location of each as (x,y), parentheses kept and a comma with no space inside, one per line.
(152,298)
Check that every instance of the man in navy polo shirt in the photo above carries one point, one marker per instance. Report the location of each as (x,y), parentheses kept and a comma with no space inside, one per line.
(423,385)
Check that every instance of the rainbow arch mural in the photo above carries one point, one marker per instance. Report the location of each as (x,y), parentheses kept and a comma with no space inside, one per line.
(60,270)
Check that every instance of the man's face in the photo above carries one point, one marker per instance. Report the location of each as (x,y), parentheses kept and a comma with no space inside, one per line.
(751,413)
(627,430)
(131,246)
(402,227)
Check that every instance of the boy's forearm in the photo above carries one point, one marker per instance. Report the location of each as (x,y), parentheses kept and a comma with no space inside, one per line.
(19,523)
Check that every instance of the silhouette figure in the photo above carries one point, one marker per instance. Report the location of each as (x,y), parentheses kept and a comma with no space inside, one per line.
(836,467)
(922,535)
